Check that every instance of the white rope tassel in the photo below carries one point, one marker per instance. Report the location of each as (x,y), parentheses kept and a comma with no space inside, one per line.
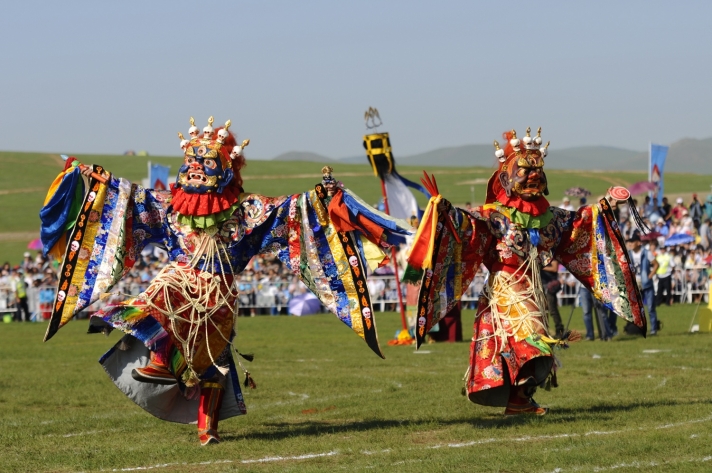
(202,292)
(502,292)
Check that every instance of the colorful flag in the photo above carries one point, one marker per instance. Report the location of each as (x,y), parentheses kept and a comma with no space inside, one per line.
(158,176)
(658,153)
(401,201)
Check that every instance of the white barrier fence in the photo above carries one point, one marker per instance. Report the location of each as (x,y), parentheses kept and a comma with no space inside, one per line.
(257,298)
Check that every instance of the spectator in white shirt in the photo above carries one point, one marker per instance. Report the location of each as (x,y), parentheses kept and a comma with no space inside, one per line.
(566,204)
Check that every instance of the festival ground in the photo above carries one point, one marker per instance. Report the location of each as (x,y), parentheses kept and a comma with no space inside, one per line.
(324,402)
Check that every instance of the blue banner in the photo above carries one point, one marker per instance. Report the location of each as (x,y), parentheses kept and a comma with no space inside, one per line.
(158,176)
(658,153)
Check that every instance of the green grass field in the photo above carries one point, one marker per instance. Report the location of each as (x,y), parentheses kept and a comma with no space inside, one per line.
(22,193)
(324,402)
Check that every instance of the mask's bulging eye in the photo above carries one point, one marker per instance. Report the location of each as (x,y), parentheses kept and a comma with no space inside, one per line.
(210,163)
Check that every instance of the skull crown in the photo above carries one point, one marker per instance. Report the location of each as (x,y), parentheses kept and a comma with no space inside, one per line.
(530,144)
(209,139)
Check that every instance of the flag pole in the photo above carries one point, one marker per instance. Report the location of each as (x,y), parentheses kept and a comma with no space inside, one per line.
(395,262)
(650,170)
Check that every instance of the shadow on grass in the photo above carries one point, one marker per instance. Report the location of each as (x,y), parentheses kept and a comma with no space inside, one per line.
(601,411)
(596,410)
(283,430)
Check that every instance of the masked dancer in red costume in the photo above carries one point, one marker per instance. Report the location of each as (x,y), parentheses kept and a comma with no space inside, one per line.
(177,359)
(515,234)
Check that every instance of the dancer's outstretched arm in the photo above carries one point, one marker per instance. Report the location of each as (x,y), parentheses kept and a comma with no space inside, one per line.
(592,249)
(327,236)
(96,225)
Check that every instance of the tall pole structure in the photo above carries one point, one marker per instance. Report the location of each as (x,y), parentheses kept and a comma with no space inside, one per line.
(378,150)
(404,323)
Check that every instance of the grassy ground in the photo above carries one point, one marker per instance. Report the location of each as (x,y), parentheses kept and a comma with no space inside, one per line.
(325,403)
(22,193)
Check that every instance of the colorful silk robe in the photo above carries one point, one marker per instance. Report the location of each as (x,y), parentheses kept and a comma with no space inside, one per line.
(587,242)
(118,219)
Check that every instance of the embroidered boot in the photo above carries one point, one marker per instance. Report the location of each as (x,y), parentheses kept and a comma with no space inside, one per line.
(211,395)
(156,371)
(521,402)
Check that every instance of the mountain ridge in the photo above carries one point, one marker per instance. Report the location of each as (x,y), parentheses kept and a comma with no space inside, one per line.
(685,155)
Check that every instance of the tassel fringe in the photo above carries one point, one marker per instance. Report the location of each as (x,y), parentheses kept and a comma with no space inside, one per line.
(190,378)
(248,356)
(573,336)
(636,217)
(249,382)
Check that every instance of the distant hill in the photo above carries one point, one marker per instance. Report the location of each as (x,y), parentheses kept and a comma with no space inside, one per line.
(690,155)
(585,157)
(685,155)
(467,155)
(302,156)
(594,157)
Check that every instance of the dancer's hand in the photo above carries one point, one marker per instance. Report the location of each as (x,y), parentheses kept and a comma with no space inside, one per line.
(86,170)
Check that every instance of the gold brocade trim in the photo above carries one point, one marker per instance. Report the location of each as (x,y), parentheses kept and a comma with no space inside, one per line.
(596,288)
(457,257)
(211,385)
(87,245)
(322,214)
(316,270)
(342,265)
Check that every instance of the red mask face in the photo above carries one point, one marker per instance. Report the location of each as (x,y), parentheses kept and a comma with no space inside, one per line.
(524,176)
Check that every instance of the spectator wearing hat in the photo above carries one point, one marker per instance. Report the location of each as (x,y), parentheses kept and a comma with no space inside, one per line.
(566,205)
(696,212)
(687,225)
(582,202)
(27,262)
(678,210)
(645,268)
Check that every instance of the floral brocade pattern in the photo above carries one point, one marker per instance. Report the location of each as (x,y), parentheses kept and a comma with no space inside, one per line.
(585,242)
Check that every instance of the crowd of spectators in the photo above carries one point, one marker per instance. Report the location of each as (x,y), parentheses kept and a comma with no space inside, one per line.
(681,242)
(28,289)
(24,286)
(266,286)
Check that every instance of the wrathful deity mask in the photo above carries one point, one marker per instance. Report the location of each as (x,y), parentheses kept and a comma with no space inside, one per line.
(524,176)
(206,167)
(522,169)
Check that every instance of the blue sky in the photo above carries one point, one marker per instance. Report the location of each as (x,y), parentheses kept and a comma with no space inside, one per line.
(104,77)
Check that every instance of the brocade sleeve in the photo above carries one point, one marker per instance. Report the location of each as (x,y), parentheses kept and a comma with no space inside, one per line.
(332,257)
(593,250)
(115,221)
(453,264)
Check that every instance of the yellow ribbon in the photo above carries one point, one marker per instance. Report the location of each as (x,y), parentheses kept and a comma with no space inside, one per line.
(431,217)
